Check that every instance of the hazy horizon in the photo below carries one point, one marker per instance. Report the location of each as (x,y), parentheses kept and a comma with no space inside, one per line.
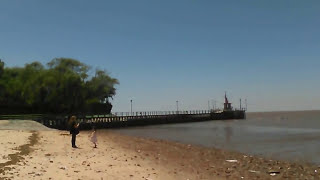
(188,51)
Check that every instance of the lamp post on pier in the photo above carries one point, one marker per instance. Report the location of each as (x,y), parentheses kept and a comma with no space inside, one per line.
(177,106)
(131,106)
(246,103)
(213,104)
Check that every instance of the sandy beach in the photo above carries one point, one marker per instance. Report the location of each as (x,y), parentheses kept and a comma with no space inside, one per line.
(47,154)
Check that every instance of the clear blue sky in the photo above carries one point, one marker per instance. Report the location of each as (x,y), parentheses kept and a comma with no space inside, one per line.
(267,51)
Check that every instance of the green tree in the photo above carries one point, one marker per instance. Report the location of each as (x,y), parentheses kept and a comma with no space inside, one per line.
(2,88)
(1,67)
(63,87)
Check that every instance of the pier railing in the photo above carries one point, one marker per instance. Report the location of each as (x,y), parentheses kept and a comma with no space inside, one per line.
(146,113)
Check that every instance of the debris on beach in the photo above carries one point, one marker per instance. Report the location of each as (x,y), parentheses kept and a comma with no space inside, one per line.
(232,160)
(253,171)
(189,146)
(63,167)
(273,173)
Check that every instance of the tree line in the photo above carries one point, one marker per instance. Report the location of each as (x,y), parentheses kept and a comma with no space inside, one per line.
(62,86)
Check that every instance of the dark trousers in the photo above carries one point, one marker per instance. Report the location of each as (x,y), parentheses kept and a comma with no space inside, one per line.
(73,140)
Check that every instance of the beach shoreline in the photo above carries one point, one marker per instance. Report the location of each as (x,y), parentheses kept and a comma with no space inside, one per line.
(121,157)
(218,163)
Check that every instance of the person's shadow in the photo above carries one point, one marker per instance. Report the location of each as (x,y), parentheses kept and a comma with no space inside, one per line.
(77,148)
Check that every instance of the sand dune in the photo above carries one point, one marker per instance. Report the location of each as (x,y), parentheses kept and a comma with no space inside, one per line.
(23,125)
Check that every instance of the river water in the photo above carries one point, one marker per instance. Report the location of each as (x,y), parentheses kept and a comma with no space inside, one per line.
(293,136)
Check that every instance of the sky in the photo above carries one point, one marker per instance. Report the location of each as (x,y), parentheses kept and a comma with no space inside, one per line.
(189,51)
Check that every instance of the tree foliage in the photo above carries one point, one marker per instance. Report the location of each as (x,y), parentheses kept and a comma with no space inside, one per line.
(1,67)
(63,86)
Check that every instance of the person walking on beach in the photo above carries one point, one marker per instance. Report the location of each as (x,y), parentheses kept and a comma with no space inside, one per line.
(93,137)
(73,130)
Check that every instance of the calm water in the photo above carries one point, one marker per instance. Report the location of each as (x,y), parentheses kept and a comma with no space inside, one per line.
(293,136)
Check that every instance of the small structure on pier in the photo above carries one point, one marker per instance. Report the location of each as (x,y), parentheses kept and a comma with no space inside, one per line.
(227,105)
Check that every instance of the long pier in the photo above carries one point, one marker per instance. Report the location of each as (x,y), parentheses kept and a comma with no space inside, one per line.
(127,119)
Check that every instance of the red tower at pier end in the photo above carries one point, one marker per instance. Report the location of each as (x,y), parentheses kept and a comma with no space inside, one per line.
(227,105)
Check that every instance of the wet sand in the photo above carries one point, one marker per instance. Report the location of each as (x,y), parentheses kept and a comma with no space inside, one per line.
(48,155)
(10,141)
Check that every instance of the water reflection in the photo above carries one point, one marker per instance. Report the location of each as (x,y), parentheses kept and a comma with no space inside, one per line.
(228,133)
